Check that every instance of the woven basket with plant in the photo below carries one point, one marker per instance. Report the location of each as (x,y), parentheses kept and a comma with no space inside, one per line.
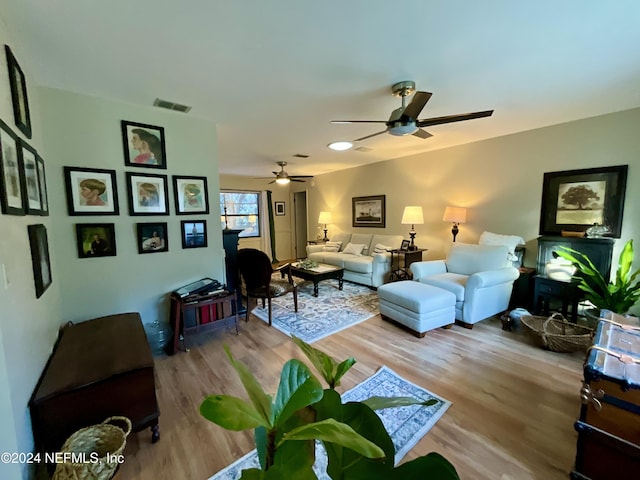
(557,334)
(100,446)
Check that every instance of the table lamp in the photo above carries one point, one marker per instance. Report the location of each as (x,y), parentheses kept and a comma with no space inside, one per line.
(412,215)
(325,217)
(457,215)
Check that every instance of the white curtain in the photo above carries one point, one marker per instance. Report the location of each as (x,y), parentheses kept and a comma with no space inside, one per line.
(265,230)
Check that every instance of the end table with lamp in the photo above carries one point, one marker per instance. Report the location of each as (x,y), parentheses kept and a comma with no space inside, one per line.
(324,218)
(412,215)
(456,215)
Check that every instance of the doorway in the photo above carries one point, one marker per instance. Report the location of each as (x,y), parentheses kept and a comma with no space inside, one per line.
(300,224)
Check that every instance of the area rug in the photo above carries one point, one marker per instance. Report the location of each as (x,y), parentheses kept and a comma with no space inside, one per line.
(406,425)
(318,317)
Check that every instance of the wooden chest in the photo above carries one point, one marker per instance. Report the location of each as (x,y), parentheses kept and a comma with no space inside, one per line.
(609,425)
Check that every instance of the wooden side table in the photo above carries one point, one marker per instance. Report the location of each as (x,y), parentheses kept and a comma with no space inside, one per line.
(400,269)
(211,312)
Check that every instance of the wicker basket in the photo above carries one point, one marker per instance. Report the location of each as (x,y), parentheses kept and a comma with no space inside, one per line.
(99,446)
(557,334)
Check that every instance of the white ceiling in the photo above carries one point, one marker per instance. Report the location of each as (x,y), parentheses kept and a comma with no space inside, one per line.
(273,73)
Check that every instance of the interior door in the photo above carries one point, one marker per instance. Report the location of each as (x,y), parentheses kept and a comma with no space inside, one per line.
(300,223)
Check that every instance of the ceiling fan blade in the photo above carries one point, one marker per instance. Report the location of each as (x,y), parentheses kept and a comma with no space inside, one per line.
(272,181)
(296,180)
(358,121)
(422,133)
(300,176)
(369,136)
(427,122)
(412,111)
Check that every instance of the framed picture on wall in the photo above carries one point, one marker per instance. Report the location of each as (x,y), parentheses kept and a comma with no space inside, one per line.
(152,237)
(148,194)
(91,191)
(194,233)
(29,175)
(42,185)
(96,240)
(19,97)
(143,145)
(190,195)
(11,184)
(39,244)
(279,208)
(368,211)
(574,200)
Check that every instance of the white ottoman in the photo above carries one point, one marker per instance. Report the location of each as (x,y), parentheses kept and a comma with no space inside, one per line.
(417,306)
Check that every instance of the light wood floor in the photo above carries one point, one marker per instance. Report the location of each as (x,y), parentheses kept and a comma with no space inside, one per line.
(512,417)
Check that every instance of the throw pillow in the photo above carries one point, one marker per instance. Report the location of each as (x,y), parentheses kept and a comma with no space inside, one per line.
(354,249)
(379,248)
(332,247)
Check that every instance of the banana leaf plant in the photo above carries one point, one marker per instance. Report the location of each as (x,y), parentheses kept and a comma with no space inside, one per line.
(618,296)
(286,427)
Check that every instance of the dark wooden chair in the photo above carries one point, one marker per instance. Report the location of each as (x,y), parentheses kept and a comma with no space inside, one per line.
(257,272)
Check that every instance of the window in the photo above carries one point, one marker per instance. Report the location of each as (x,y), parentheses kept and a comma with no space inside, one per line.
(243,212)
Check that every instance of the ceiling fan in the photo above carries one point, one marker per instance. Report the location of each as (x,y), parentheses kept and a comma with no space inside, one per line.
(282,177)
(404,120)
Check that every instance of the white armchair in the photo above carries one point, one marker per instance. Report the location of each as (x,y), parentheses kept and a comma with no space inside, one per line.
(480,276)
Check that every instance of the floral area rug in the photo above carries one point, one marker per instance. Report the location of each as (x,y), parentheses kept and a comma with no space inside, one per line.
(406,425)
(318,317)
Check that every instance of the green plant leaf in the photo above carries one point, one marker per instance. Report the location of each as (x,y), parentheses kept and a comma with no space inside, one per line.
(329,368)
(298,388)
(330,430)
(252,474)
(260,400)
(378,403)
(230,412)
(432,466)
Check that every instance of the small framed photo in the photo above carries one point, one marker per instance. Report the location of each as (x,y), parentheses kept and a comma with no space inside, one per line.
(96,240)
(190,195)
(143,145)
(279,209)
(194,233)
(152,237)
(405,245)
(29,166)
(42,185)
(18,94)
(148,194)
(40,258)
(91,191)
(11,184)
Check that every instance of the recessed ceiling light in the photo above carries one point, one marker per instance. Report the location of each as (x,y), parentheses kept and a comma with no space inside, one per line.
(340,146)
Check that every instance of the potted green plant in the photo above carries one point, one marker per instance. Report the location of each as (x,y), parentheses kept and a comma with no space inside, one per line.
(286,427)
(617,296)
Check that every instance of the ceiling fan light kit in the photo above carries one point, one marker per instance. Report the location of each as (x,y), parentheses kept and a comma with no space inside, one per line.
(404,120)
(340,146)
(283,178)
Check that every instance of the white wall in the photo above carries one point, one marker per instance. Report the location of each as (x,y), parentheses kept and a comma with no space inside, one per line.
(85,132)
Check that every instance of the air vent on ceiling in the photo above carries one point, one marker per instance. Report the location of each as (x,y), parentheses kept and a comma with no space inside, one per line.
(363,149)
(171,106)
(300,155)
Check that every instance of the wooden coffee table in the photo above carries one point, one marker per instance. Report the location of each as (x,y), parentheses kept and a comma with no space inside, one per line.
(319,273)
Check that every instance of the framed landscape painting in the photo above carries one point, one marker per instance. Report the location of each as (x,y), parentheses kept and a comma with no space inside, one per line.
(368,211)
(148,194)
(11,183)
(91,191)
(190,195)
(143,145)
(574,200)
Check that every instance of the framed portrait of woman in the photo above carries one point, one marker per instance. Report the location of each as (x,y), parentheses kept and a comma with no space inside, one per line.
(190,195)
(143,145)
(148,194)
(91,191)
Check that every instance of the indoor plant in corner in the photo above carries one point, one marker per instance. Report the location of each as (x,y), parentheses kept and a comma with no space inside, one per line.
(617,296)
(286,427)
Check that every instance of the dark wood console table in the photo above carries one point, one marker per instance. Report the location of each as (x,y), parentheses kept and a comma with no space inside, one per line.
(210,312)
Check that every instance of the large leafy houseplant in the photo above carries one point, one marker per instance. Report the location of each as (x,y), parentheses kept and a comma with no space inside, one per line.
(618,296)
(287,426)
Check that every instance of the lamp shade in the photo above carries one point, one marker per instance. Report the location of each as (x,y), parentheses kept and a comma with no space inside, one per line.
(412,215)
(455,215)
(325,217)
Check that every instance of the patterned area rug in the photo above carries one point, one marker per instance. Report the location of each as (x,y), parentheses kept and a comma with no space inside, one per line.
(406,425)
(318,317)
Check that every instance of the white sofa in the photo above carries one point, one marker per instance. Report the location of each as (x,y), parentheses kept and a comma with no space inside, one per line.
(368,268)
(480,276)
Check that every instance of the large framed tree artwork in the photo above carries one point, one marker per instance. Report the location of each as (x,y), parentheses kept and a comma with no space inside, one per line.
(574,200)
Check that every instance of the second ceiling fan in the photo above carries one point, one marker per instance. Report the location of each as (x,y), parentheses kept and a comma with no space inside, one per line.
(404,120)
